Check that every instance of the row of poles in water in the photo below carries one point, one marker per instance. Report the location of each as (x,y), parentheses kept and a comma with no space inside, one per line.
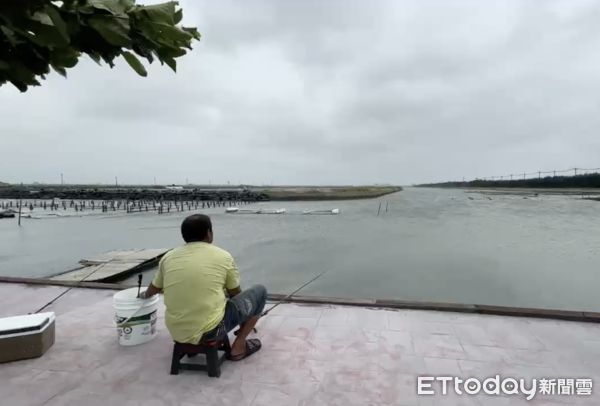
(379,209)
(128,206)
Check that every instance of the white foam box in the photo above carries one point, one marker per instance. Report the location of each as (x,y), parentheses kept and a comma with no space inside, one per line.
(28,336)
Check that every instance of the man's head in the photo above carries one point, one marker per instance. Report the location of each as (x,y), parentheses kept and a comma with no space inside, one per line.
(197,227)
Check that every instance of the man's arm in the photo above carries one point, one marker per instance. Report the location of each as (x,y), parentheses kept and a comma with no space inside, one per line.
(232,279)
(234,291)
(151,291)
(157,284)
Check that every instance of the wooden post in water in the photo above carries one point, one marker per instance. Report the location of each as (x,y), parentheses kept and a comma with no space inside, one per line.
(386,206)
(20,203)
(379,209)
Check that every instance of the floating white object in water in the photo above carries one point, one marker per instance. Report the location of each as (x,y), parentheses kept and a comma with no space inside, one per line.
(276,211)
(236,210)
(233,210)
(332,211)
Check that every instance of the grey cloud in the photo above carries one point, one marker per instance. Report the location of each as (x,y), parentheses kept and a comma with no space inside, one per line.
(327,92)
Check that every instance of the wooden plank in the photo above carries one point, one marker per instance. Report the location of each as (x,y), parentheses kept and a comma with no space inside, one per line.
(140,255)
(76,275)
(70,284)
(96,273)
(112,264)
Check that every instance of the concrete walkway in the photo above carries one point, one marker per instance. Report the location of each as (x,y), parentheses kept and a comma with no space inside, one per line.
(312,355)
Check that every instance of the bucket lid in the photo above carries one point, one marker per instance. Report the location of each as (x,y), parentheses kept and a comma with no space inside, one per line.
(129,296)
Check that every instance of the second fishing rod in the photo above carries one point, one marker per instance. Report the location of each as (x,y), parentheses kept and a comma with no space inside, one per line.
(288,297)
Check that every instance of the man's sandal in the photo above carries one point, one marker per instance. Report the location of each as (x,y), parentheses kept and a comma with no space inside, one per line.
(252,346)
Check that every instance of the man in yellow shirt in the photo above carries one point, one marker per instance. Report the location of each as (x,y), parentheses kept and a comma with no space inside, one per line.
(194,279)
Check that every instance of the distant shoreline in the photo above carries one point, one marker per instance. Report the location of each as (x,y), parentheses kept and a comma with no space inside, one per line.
(585,181)
(327,193)
(195,192)
(522,190)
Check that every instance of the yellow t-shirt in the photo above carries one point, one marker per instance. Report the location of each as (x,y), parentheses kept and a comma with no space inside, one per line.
(193,278)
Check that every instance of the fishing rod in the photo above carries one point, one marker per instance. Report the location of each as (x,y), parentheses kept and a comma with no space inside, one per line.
(285,299)
(292,294)
(76,285)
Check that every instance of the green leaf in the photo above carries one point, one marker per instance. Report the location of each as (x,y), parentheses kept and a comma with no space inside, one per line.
(193,31)
(20,85)
(115,7)
(42,18)
(172,33)
(37,36)
(178,16)
(86,9)
(135,63)
(58,22)
(144,51)
(163,13)
(21,76)
(42,34)
(172,63)
(59,70)
(65,57)
(10,35)
(114,30)
(171,52)
(127,4)
(95,57)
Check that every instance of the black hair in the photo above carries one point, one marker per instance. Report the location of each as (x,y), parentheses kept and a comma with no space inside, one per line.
(196,227)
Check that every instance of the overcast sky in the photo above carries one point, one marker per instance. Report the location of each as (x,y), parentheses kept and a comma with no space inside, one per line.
(327,92)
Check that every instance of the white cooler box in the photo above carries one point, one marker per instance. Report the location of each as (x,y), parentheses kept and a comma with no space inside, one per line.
(28,336)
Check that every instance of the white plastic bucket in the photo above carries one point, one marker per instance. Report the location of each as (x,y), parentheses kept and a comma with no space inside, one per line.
(135,318)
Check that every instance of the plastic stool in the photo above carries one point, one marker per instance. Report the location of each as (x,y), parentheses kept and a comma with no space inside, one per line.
(209,348)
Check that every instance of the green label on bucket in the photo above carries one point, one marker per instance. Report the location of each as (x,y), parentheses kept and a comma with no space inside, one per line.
(136,320)
(137,329)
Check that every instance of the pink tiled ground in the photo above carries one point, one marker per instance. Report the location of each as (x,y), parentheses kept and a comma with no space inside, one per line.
(312,355)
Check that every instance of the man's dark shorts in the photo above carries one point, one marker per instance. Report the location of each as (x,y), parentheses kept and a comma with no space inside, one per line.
(245,305)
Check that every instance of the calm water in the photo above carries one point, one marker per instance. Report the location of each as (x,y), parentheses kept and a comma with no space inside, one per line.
(430,245)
